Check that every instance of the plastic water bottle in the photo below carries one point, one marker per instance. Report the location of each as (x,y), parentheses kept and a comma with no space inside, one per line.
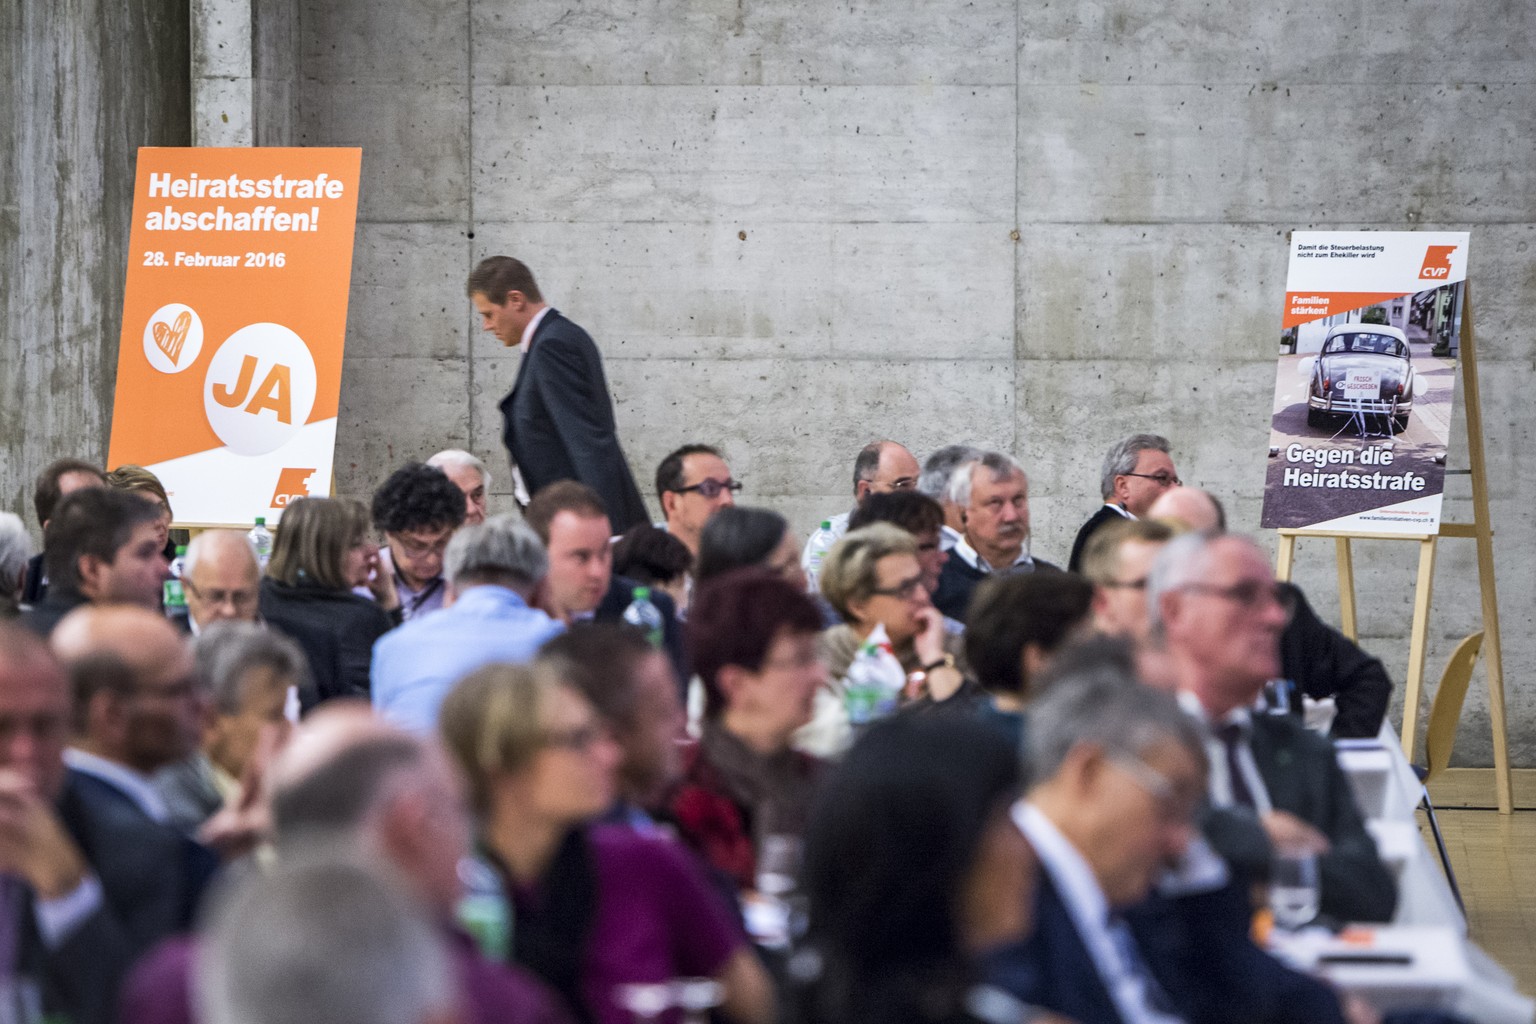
(174,595)
(646,616)
(483,910)
(816,553)
(261,539)
(874,680)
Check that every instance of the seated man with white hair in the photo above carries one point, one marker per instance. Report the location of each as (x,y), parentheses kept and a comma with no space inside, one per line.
(493,570)
(469,475)
(221,579)
(934,482)
(992,494)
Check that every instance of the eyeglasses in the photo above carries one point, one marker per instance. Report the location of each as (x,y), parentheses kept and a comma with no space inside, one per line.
(415,547)
(1251,595)
(710,488)
(1140,584)
(1171,805)
(903,590)
(579,739)
(233,598)
(1162,477)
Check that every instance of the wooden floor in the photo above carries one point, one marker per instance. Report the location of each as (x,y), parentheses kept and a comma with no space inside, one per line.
(1494,857)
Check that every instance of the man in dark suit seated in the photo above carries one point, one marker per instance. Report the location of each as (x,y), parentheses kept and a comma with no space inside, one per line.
(89,881)
(558,417)
(1118,774)
(1216,605)
(1136,471)
(1320,660)
(571,521)
(58,479)
(101,546)
(993,495)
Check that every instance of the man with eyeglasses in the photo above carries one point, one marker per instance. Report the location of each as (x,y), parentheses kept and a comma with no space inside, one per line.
(692,484)
(418,509)
(221,579)
(1117,560)
(1216,606)
(993,495)
(88,881)
(1137,471)
(1119,774)
(882,467)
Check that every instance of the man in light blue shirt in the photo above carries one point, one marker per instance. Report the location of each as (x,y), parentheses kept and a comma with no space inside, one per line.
(493,569)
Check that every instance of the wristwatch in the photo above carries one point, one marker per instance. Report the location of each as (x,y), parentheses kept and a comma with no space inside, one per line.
(948,661)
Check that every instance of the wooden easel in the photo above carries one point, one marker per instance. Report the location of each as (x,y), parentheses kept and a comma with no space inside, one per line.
(1480,530)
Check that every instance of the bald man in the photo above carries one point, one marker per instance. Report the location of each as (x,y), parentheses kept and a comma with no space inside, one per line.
(882,467)
(1191,508)
(90,881)
(348,783)
(221,579)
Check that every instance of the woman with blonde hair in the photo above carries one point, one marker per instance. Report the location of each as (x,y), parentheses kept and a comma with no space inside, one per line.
(593,910)
(320,554)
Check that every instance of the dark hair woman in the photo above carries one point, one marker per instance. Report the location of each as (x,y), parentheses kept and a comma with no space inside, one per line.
(913,868)
(737,537)
(321,552)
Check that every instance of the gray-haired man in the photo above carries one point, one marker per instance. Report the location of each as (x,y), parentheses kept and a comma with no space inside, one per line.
(492,570)
(1136,472)
(992,494)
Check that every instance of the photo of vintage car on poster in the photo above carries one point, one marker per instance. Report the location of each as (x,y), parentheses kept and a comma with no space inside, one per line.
(1362,409)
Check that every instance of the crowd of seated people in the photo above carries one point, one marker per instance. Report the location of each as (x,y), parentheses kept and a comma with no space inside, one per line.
(444,754)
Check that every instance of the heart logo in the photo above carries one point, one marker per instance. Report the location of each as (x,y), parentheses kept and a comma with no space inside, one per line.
(173,337)
(170,339)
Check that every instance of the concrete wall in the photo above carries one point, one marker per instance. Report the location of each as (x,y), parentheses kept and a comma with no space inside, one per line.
(87,83)
(794,227)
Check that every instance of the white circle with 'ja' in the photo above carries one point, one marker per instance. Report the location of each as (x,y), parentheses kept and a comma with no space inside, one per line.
(173,338)
(260,388)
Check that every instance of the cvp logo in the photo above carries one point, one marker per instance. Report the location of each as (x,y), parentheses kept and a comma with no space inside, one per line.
(1437,262)
(292,484)
(173,338)
(260,388)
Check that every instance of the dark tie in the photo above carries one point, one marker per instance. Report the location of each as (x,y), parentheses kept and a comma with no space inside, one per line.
(1231,735)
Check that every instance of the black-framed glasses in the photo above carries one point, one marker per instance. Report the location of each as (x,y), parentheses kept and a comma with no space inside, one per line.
(1162,476)
(903,590)
(710,488)
(1251,594)
(1140,584)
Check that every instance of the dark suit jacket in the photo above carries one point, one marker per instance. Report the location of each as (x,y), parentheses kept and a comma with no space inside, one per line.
(958,580)
(56,603)
(1105,514)
(33,588)
(1303,777)
(1325,663)
(336,628)
(1053,969)
(152,878)
(557,421)
(621,591)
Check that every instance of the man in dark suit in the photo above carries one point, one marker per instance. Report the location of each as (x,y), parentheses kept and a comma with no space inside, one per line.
(1119,774)
(1216,604)
(102,546)
(58,478)
(993,495)
(558,418)
(1136,471)
(87,881)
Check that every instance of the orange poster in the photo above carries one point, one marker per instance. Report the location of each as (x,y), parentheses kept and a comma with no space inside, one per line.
(229,370)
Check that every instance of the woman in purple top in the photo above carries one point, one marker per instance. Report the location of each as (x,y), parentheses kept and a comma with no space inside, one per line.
(592,908)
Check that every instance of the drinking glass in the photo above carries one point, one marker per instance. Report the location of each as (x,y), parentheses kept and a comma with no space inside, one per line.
(1293,888)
